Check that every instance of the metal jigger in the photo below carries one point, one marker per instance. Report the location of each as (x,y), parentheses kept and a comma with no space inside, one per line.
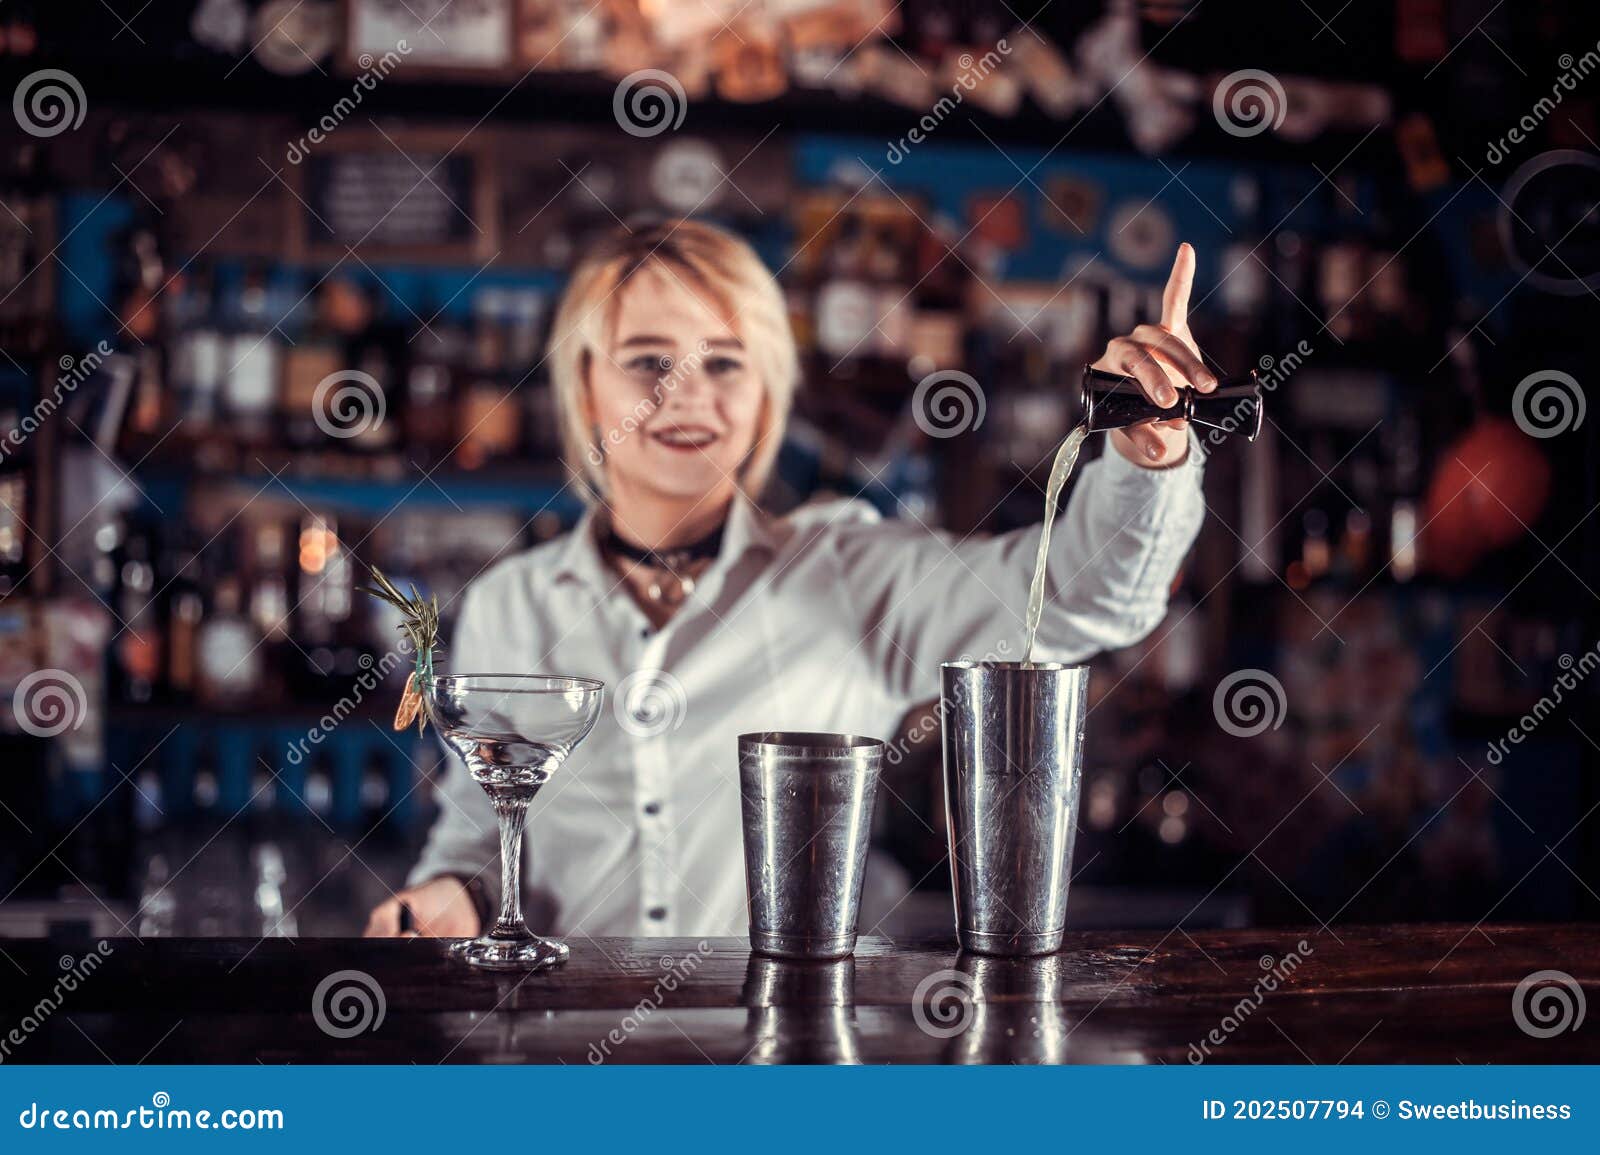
(1013,746)
(807,802)
(1115,401)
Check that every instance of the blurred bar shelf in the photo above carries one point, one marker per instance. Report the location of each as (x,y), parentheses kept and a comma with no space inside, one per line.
(527,490)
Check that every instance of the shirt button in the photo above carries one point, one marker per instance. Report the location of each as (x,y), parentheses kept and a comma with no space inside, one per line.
(657,913)
(645,633)
(652,808)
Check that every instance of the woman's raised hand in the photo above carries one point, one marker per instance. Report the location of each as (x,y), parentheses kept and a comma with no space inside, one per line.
(1163,357)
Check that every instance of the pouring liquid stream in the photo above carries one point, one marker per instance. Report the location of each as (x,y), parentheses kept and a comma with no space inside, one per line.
(1066,460)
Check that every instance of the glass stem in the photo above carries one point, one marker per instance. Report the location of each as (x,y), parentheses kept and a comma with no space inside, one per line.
(512,814)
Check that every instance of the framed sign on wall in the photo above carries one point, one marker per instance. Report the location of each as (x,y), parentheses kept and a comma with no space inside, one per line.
(398,194)
(466,38)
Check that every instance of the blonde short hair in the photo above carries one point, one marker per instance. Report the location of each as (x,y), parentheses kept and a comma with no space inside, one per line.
(719,268)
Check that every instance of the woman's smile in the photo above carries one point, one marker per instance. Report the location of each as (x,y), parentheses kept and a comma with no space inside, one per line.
(687,438)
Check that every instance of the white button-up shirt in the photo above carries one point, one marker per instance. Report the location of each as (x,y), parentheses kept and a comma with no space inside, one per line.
(829,619)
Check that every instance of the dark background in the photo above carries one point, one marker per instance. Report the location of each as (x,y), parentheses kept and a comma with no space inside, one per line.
(180,535)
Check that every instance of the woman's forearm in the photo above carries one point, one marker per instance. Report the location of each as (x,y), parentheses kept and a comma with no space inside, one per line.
(926,598)
(1118,547)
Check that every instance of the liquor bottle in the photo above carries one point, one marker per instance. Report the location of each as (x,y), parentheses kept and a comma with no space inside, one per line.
(323,554)
(198,351)
(1260,551)
(229,668)
(147,414)
(379,367)
(14,513)
(17,469)
(429,402)
(142,274)
(316,355)
(185,612)
(158,903)
(269,602)
(273,920)
(254,361)
(139,645)
(143,280)
(488,418)
(25,245)
(374,792)
(1405,472)
(523,336)
(1316,555)
(376,349)
(318,796)
(322,626)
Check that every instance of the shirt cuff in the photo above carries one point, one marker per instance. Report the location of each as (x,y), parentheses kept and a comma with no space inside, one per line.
(1125,474)
(483,885)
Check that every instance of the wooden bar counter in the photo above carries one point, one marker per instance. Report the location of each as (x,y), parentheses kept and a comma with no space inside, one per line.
(1414,994)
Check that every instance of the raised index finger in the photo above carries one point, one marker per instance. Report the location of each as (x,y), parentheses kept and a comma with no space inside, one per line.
(1175,300)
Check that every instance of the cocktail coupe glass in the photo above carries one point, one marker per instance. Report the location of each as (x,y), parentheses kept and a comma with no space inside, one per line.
(512,730)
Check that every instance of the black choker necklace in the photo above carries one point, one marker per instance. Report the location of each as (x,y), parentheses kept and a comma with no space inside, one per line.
(671,560)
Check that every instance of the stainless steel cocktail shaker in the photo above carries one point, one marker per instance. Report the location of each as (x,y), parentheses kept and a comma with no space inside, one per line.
(1013,745)
(807,802)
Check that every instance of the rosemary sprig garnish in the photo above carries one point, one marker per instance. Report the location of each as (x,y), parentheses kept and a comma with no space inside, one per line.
(420,624)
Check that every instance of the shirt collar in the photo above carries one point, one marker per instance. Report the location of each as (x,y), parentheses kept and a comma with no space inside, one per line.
(748,529)
(580,556)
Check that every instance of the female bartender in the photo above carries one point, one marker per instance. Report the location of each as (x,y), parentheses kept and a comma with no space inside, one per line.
(674,367)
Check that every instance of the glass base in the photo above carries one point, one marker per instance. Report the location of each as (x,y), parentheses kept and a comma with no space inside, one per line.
(528,953)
